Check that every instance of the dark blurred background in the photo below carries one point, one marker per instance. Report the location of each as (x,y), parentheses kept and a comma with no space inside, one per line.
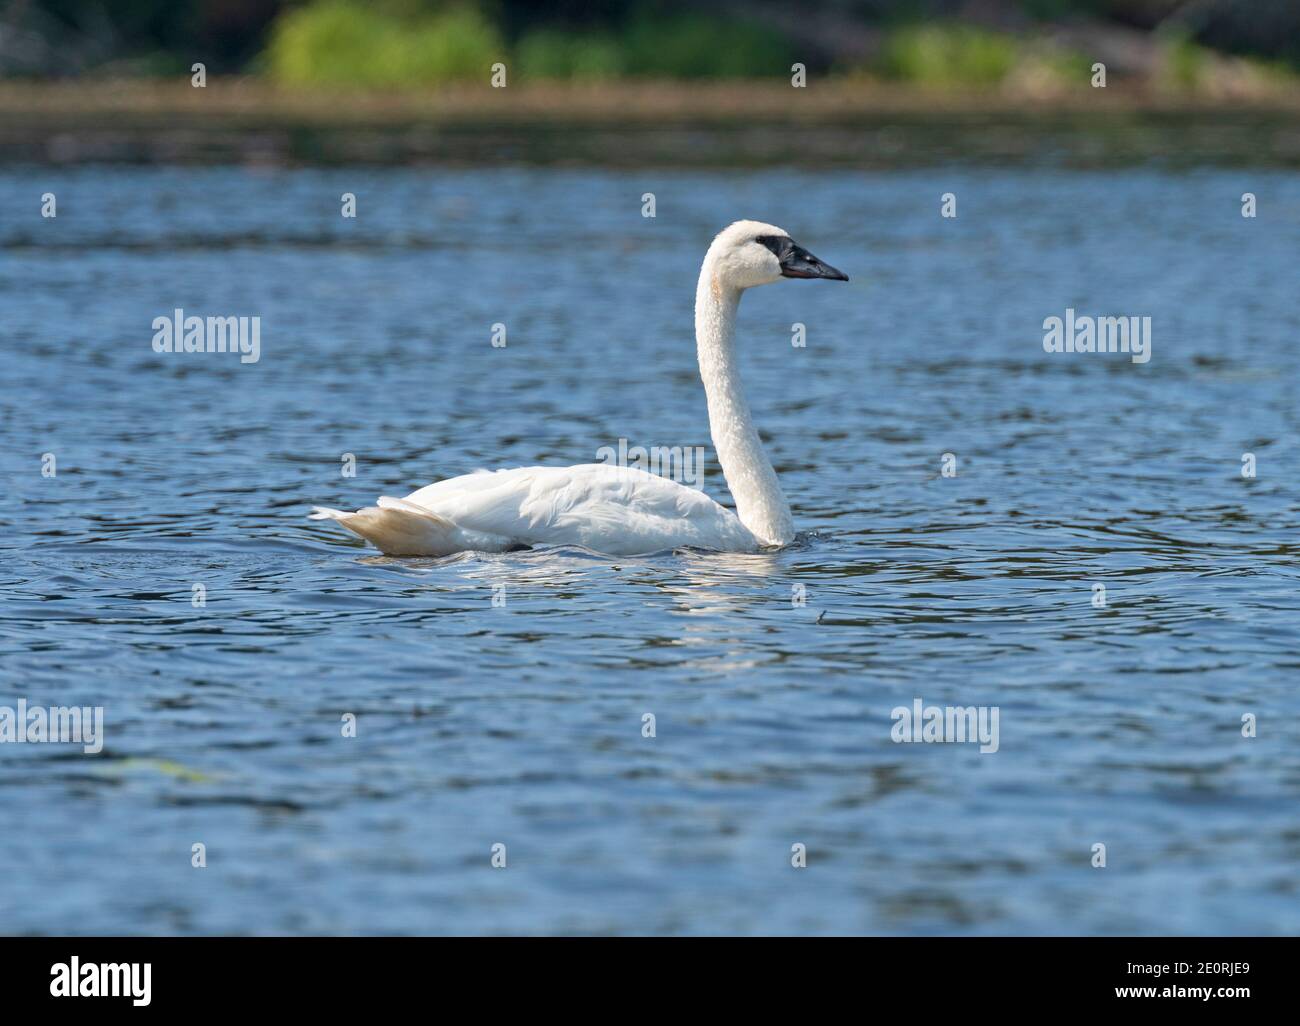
(650,82)
(389,43)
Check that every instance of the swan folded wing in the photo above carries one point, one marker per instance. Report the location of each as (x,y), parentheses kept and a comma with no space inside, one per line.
(605,508)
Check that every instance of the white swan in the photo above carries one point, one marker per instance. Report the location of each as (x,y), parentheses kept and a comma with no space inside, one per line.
(615,510)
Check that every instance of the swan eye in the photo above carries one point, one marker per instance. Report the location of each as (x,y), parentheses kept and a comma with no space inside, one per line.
(778,244)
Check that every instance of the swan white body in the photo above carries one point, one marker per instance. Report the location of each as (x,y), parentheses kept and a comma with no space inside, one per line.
(616,510)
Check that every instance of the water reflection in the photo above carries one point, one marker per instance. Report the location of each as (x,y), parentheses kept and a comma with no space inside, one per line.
(523,720)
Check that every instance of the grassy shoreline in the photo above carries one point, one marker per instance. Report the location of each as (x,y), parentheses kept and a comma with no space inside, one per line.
(626,99)
(842,122)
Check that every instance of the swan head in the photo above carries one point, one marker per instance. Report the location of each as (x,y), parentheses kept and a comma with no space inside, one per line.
(750,253)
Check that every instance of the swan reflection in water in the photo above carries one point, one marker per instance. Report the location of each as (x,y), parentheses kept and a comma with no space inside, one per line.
(709,595)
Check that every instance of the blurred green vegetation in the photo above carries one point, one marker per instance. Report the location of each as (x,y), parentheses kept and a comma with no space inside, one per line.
(698,46)
(948,55)
(951,55)
(942,44)
(348,42)
(410,43)
(1185,62)
(552,53)
(343,42)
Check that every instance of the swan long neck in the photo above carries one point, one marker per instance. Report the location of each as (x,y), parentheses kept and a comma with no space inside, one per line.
(760,503)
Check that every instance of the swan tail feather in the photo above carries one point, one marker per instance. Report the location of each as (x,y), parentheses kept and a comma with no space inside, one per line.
(399,528)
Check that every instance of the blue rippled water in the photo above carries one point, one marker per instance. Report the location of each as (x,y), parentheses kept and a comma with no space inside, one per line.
(521,724)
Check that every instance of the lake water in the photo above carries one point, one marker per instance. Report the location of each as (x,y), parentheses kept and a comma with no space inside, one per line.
(521,724)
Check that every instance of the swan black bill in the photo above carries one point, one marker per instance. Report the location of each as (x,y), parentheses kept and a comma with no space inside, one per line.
(797,262)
